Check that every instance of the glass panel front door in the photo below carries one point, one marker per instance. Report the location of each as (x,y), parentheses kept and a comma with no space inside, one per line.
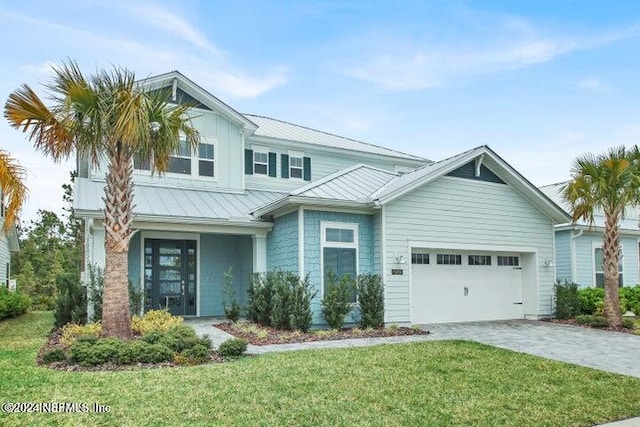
(170,275)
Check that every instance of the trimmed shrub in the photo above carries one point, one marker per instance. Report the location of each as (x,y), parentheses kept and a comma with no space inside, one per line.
(72,331)
(281,299)
(260,304)
(84,352)
(302,293)
(631,296)
(567,301)
(155,321)
(12,304)
(335,303)
(139,351)
(593,321)
(199,353)
(591,300)
(55,355)
(71,301)
(628,323)
(233,347)
(370,291)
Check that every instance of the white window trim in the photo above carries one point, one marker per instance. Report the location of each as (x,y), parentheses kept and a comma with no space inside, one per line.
(263,150)
(348,245)
(195,169)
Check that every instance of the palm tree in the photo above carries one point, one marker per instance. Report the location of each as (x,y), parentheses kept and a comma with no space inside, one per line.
(106,116)
(14,192)
(605,183)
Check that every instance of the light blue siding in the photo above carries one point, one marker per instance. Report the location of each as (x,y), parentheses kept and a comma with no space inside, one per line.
(461,212)
(218,252)
(585,245)
(282,244)
(135,258)
(563,255)
(312,247)
(377,243)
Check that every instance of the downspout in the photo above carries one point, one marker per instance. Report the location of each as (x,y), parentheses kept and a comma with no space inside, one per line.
(572,247)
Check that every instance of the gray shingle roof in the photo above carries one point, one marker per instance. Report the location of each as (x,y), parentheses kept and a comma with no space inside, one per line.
(151,200)
(272,128)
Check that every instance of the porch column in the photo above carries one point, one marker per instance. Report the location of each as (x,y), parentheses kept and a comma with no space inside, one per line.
(259,254)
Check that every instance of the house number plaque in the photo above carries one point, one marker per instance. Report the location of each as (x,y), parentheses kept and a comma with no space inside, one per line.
(396,272)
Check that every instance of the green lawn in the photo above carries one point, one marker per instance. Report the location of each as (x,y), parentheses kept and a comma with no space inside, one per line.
(422,384)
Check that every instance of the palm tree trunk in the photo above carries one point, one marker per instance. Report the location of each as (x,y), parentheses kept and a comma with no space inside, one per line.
(611,259)
(118,216)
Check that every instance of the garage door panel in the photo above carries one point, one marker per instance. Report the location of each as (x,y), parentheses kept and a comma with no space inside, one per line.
(458,293)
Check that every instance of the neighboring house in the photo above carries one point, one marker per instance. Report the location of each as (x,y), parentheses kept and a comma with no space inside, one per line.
(8,245)
(579,246)
(466,238)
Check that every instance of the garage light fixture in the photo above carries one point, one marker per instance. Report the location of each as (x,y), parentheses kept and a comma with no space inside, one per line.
(549,263)
(400,259)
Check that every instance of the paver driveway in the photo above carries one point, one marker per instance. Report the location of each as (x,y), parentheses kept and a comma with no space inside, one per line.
(609,351)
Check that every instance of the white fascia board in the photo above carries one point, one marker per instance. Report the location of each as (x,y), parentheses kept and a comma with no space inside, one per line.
(330,204)
(595,229)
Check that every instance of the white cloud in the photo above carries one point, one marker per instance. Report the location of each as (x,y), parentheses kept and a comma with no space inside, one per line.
(592,84)
(503,44)
(160,17)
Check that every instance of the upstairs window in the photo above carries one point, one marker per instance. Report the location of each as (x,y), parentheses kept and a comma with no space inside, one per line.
(295,167)
(260,163)
(180,161)
(206,160)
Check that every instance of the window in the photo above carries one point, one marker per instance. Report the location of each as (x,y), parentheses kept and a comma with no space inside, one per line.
(141,164)
(295,167)
(449,259)
(419,258)
(339,235)
(205,160)
(339,252)
(598,267)
(508,261)
(479,259)
(260,162)
(180,161)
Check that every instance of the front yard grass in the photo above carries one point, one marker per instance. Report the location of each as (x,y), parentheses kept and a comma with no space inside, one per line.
(428,384)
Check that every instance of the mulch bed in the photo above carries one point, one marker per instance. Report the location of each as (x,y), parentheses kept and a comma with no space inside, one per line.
(275,336)
(53,342)
(572,322)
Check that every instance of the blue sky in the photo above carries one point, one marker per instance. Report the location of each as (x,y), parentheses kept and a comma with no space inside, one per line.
(540,82)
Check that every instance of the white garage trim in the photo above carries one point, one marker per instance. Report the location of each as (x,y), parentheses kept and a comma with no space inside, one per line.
(419,244)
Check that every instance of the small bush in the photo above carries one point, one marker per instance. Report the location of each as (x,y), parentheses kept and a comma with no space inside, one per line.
(632,298)
(628,323)
(154,321)
(55,355)
(281,300)
(232,347)
(260,295)
(231,305)
(593,321)
(335,303)
(302,293)
(199,353)
(591,300)
(370,291)
(567,301)
(87,353)
(71,301)
(72,331)
(12,303)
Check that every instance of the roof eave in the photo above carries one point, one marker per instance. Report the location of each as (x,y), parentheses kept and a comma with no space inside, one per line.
(293,201)
(89,214)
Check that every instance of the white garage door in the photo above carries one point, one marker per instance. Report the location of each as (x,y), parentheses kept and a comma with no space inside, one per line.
(451,286)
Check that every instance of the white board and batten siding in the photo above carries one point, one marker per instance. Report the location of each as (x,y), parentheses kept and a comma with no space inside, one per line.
(5,256)
(468,215)
(228,157)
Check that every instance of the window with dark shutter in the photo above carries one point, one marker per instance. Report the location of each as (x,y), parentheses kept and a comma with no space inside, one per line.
(284,172)
(273,164)
(307,168)
(248,161)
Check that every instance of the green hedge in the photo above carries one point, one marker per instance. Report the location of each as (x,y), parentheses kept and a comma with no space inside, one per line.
(13,304)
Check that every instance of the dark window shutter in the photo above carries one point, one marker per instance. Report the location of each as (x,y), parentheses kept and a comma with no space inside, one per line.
(284,159)
(306,173)
(248,161)
(273,159)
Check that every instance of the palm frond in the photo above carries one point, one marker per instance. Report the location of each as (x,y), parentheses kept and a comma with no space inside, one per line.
(14,192)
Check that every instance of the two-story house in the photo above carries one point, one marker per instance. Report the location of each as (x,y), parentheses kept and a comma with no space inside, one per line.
(466,238)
